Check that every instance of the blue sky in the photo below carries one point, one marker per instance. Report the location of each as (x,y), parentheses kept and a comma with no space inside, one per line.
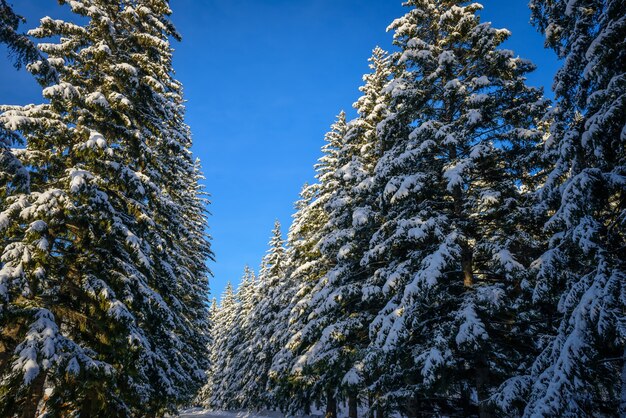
(264,79)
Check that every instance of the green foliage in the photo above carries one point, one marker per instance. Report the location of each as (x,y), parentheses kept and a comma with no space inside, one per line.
(104,251)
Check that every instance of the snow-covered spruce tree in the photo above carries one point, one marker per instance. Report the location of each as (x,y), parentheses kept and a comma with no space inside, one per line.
(221,352)
(243,367)
(582,368)
(451,250)
(336,329)
(304,267)
(103,279)
(298,388)
(262,345)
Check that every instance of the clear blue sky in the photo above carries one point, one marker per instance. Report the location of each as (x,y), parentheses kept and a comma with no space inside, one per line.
(264,79)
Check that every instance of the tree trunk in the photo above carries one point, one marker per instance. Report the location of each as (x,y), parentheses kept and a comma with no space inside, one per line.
(465,402)
(352,406)
(412,407)
(34,396)
(622,403)
(466,251)
(331,405)
(379,412)
(482,382)
(467,265)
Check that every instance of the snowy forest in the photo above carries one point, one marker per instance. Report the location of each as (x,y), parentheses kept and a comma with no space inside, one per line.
(462,251)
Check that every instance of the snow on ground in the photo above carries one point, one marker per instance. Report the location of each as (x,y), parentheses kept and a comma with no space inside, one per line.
(317,413)
(204,413)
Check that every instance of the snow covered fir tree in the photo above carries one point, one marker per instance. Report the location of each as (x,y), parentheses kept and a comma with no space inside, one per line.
(103,281)
(580,279)
(460,252)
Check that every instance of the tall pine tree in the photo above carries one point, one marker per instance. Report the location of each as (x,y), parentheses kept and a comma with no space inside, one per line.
(340,317)
(581,370)
(103,280)
(304,267)
(243,369)
(308,269)
(264,316)
(215,393)
(450,253)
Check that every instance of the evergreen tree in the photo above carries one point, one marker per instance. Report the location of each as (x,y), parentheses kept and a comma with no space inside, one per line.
(449,255)
(103,281)
(244,367)
(337,326)
(581,370)
(308,267)
(221,353)
(264,318)
(304,267)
